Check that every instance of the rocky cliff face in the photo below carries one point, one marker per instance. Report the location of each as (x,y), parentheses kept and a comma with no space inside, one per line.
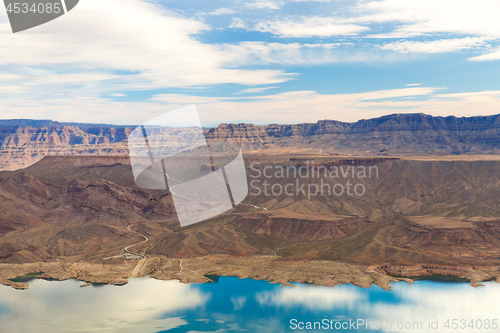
(24,142)
(399,134)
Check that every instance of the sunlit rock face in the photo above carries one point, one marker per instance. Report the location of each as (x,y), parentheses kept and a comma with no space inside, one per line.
(26,142)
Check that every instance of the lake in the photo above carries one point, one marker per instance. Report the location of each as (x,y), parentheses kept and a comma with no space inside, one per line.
(147,305)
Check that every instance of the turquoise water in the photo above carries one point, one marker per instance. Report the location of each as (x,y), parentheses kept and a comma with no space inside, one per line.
(243,305)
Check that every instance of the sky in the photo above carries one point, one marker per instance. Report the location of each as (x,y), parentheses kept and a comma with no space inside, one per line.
(263,62)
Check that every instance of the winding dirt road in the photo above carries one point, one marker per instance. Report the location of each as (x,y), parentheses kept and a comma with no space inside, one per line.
(127,253)
(264,208)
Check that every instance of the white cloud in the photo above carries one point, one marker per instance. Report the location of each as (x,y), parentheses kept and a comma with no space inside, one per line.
(254,90)
(422,17)
(288,107)
(459,25)
(435,46)
(264,5)
(412,18)
(218,11)
(90,53)
(495,55)
(237,23)
(309,106)
(393,93)
(185,99)
(260,53)
(140,46)
(314,26)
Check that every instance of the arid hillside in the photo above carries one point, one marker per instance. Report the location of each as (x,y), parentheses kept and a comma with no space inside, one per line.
(412,212)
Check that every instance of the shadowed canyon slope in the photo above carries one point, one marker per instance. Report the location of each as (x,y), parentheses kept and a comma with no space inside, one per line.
(24,142)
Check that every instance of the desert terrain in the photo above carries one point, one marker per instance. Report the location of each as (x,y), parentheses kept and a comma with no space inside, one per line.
(85,218)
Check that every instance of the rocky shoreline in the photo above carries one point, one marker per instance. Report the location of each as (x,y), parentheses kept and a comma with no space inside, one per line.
(269,268)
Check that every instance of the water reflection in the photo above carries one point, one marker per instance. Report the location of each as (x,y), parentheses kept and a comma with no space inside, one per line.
(233,305)
(65,307)
(313,297)
(440,301)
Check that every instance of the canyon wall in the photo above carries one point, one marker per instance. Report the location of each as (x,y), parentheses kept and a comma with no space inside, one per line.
(24,142)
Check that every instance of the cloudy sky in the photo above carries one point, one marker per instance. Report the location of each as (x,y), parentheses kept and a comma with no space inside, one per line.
(288,61)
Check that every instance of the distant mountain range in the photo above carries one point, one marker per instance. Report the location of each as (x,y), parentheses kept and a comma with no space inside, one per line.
(24,141)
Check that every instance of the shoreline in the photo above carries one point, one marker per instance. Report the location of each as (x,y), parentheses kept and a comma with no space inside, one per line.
(197,270)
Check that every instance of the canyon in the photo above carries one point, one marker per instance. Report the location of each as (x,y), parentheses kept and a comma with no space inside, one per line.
(70,208)
(72,216)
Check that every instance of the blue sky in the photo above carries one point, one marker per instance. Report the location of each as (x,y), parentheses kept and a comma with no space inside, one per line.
(258,61)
